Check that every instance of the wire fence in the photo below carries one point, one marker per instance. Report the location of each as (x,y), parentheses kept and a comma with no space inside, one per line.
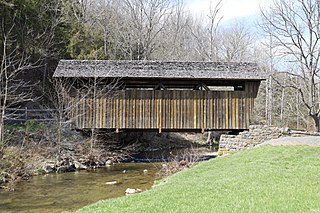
(25,114)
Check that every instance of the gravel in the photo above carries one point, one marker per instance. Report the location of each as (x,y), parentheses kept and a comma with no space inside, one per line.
(293,141)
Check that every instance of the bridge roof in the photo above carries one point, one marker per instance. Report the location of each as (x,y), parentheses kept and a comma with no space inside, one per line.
(158,70)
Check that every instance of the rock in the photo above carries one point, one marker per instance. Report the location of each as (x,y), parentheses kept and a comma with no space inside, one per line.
(257,134)
(183,163)
(111,183)
(49,167)
(62,169)
(79,166)
(66,161)
(130,191)
(108,163)
(82,160)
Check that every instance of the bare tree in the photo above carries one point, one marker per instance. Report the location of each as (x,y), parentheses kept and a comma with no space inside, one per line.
(58,97)
(79,9)
(295,27)
(12,89)
(68,96)
(206,37)
(22,49)
(103,17)
(176,40)
(237,43)
(146,20)
(213,30)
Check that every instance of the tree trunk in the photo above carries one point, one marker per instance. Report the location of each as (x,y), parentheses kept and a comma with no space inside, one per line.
(282,107)
(1,132)
(316,118)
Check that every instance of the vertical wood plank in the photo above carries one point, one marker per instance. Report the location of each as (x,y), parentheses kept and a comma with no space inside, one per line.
(144,115)
(221,110)
(174,117)
(194,110)
(212,110)
(183,109)
(101,112)
(120,109)
(127,109)
(156,109)
(180,109)
(104,107)
(149,108)
(153,116)
(131,109)
(168,113)
(117,112)
(236,113)
(85,113)
(89,114)
(205,107)
(226,106)
(160,110)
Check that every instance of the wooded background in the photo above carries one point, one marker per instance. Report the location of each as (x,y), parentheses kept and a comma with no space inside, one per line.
(35,34)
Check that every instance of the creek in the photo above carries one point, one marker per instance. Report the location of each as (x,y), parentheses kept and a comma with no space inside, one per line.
(71,191)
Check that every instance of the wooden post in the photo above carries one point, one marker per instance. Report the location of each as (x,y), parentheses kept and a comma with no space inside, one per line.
(160,112)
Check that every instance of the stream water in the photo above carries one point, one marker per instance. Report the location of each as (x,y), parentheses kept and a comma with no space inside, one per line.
(71,191)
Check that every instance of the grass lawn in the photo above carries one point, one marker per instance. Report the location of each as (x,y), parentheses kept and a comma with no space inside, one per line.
(264,179)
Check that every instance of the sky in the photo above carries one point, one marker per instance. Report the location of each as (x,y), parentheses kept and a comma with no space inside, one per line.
(246,10)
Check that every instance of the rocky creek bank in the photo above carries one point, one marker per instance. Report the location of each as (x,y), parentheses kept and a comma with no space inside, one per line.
(29,153)
(37,151)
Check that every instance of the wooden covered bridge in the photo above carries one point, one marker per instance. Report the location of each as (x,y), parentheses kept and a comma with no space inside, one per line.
(161,96)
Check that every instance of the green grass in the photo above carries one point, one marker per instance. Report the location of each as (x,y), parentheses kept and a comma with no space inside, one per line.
(30,125)
(265,179)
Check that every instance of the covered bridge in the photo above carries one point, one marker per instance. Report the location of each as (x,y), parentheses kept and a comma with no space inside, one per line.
(161,96)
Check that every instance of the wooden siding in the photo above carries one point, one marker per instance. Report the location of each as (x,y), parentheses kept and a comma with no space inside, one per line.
(168,109)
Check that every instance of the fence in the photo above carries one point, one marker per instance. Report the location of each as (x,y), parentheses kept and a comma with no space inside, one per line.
(25,114)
